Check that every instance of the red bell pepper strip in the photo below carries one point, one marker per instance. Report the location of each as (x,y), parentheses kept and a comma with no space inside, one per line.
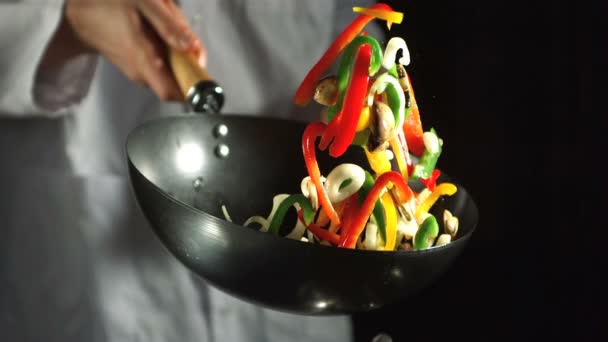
(349,236)
(324,234)
(330,132)
(349,212)
(319,232)
(306,89)
(312,131)
(354,101)
(431,182)
(413,126)
(346,63)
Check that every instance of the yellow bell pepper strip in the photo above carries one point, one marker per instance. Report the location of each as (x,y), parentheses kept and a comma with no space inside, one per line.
(308,212)
(307,88)
(354,101)
(386,83)
(426,233)
(312,131)
(319,232)
(391,221)
(350,234)
(346,63)
(443,189)
(378,211)
(378,161)
(399,148)
(428,160)
(391,17)
(363,119)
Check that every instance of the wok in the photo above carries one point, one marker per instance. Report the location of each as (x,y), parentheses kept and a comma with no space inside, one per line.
(184,168)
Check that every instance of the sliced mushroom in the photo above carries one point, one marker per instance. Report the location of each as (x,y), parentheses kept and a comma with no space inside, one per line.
(450,223)
(381,126)
(326,92)
(443,239)
(405,84)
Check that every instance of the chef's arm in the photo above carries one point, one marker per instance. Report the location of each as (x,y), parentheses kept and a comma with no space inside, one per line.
(26,28)
(49,49)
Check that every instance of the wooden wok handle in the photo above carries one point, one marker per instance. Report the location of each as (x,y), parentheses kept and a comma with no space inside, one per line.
(200,90)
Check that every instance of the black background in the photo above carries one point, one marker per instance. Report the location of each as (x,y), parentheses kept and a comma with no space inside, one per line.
(516,89)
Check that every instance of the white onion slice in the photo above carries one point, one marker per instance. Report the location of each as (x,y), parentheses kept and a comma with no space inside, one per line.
(298,231)
(310,191)
(371,236)
(395,44)
(225,212)
(379,86)
(339,175)
(259,220)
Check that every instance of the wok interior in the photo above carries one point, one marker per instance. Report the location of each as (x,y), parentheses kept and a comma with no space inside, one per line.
(185,162)
(183,157)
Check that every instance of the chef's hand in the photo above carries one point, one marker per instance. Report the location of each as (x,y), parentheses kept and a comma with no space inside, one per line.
(133,35)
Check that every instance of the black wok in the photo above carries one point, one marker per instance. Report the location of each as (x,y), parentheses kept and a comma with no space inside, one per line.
(183,168)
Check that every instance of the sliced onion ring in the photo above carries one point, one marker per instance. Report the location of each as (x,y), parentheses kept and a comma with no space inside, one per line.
(338,176)
(395,44)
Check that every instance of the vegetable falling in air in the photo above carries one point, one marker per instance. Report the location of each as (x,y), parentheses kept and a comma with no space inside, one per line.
(370,105)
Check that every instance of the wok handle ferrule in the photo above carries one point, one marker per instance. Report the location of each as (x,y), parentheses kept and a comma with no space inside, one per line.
(201,91)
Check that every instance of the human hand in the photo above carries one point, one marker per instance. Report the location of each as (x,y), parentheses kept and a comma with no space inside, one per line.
(134,36)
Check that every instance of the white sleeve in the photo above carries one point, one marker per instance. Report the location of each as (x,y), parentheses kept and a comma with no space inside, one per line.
(26,27)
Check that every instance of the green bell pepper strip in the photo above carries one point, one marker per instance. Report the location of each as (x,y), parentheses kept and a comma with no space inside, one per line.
(308,212)
(394,93)
(426,233)
(428,161)
(346,62)
(393,71)
(378,211)
(361,138)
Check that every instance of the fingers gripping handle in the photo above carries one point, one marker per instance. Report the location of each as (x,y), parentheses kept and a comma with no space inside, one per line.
(200,90)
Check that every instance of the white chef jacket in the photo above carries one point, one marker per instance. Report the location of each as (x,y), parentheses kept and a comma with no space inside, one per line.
(78,262)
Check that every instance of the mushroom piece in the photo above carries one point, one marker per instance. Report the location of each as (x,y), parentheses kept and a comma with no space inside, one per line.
(326,92)
(426,233)
(450,223)
(443,239)
(381,126)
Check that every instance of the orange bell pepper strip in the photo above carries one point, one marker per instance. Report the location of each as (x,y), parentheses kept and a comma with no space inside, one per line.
(312,131)
(413,126)
(349,235)
(306,89)
(319,232)
(350,211)
(324,234)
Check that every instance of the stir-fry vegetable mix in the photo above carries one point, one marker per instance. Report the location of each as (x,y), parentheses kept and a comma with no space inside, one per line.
(369,104)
